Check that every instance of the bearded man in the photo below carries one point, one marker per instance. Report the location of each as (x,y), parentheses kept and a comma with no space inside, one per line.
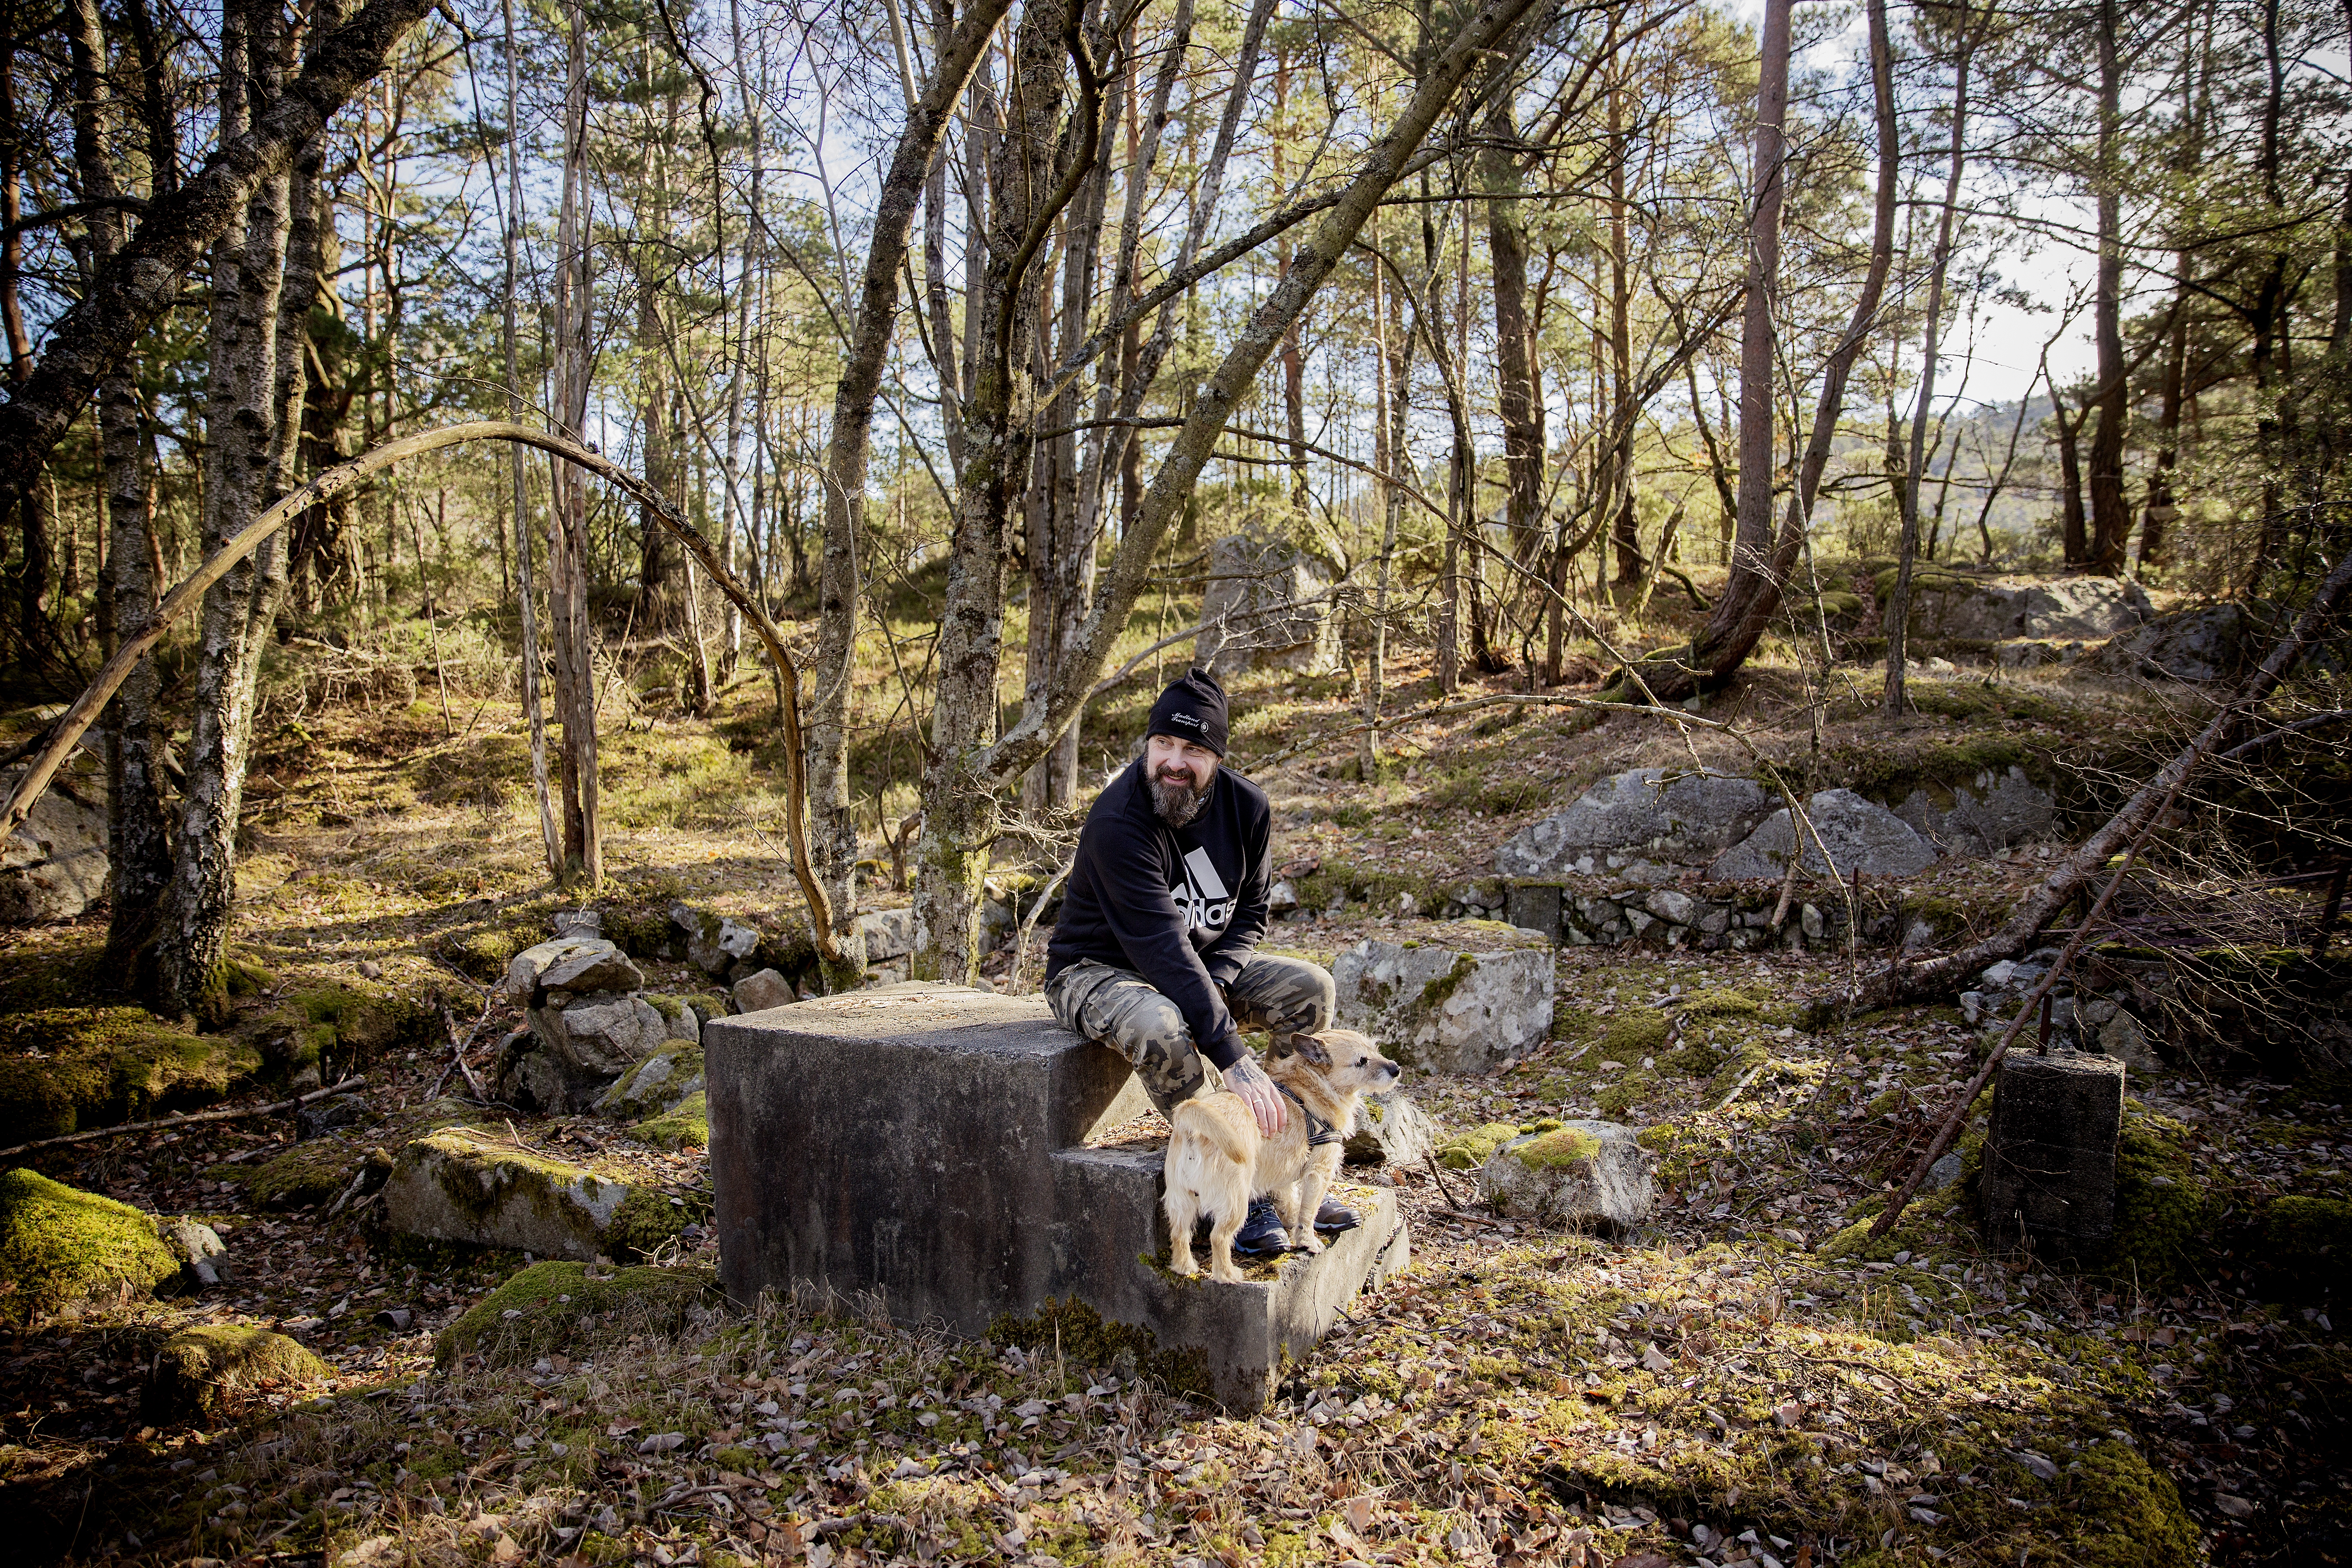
(1155,952)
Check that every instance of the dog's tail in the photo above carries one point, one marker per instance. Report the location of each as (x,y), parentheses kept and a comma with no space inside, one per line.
(1195,1119)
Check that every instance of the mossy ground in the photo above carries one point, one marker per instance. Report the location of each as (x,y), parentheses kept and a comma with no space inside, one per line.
(570,1307)
(1451,1413)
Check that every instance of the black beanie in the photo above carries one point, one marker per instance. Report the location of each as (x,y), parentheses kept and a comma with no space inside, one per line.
(1192,709)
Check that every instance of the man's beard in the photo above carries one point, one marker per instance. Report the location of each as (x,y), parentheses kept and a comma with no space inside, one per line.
(1177,803)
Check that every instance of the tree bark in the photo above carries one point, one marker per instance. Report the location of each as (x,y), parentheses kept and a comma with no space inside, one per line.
(526,574)
(572,634)
(2110,514)
(848,448)
(244,422)
(142,280)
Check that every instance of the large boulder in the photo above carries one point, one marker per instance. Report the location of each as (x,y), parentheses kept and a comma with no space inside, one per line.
(1993,811)
(1390,1130)
(1436,1005)
(213,1367)
(890,933)
(468,1184)
(61,1248)
(1856,833)
(1578,1174)
(1646,814)
(1952,605)
(1266,607)
(53,866)
(530,1075)
(2204,643)
(602,1035)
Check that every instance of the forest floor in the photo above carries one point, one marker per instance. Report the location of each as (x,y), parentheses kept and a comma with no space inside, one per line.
(1744,1379)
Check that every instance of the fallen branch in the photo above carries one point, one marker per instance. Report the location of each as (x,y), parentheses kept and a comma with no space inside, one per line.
(1942,976)
(163,1122)
(459,1047)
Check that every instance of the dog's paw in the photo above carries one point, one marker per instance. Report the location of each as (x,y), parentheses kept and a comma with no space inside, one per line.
(1312,1245)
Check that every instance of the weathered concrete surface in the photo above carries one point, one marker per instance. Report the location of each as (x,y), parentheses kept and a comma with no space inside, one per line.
(461,1185)
(53,866)
(1655,814)
(2050,1153)
(1579,1173)
(1856,831)
(923,1146)
(1455,1009)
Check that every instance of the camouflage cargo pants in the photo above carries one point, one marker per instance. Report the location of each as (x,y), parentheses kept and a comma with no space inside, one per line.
(1119,1008)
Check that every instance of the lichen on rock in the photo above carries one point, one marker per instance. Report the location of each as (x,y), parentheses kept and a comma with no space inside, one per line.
(61,1247)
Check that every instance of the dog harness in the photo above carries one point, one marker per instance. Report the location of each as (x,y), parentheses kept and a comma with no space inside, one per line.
(1318,1132)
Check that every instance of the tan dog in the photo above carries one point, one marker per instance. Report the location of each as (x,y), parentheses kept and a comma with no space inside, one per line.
(1217,1160)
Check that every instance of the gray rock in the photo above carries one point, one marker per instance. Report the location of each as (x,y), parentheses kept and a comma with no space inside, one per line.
(1655,814)
(53,866)
(577,922)
(1972,1006)
(1997,609)
(1282,897)
(1856,832)
(585,973)
(1669,904)
(201,1250)
(1585,1173)
(2122,1037)
(321,1116)
(714,943)
(2207,642)
(890,933)
(2033,653)
(1390,1130)
(462,1185)
(1993,811)
(1267,607)
(524,969)
(530,1077)
(655,1085)
(1444,1008)
(1945,1173)
(757,992)
(601,1034)
(679,1017)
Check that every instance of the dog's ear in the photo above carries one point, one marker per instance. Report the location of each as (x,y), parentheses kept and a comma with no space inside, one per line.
(1310,1047)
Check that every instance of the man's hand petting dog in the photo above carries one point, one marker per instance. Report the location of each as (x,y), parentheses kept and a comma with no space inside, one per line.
(1248,1079)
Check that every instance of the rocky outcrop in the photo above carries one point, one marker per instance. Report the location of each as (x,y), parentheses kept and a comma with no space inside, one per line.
(1995,810)
(1949,605)
(1454,1009)
(2205,643)
(1267,607)
(1856,832)
(466,1184)
(53,866)
(1646,817)
(1578,1174)
(209,1370)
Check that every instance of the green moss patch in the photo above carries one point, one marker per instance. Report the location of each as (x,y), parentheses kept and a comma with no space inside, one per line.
(646,1218)
(210,1369)
(684,1126)
(1556,1149)
(67,1068)
(1469,1150)
(312,1173)
(61,1247)
(572,1308)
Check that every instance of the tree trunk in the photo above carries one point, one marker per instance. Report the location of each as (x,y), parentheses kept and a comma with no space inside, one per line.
(526,574)
(2074,538)
(572,634)
(244,417)
(2110,514)
(1899,603)
(1516,396)
(833,826)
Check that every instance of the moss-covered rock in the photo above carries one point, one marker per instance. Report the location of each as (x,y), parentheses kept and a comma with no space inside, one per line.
(686,1125)
(308,1174)
(472,1185)
(660,1083)
(572,1307)
(67,1068)
(1469,1150)
(2122,1514)
(210,1369)
(2165,1208)
(61,1247)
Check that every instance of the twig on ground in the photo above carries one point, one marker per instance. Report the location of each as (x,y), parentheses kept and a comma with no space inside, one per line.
(162,1123)
(458,1047)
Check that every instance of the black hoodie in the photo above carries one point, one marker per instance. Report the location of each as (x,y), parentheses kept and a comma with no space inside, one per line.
(1182,906)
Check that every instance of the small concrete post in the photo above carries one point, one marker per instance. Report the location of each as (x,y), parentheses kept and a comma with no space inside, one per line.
(2049,1155)
(1536,906)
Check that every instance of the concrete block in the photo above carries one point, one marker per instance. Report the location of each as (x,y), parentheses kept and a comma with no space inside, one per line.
(1536,906)
(2050,1153)
(924,1145)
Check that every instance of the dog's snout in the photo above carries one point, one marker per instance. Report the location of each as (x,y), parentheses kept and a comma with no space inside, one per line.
(1394,1071)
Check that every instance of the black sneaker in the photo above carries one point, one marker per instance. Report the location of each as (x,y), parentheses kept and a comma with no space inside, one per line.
(1261,1234)
(1335,1216)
